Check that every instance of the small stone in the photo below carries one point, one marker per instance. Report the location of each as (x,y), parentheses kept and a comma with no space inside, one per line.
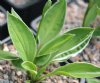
(75,81)
(1,68)
(19,73)
(12,67)
(1,81)
(5,47)
(6,81)
(64,77)
(48,81)
(60,81)
(11,82)
(5,76)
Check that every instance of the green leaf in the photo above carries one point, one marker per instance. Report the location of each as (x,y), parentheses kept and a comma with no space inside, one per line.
(15,14)
(7,55)
(97,2)
(97,31)
(73,52)
(47,6)
(29,66)
(92,11)
(22,38)
(42,60)
(52,22)
(55,44)
(81,34)
(91,3)
(17,63)
(41,71)
(75,45)
(93,81)
(98,10)
(27,81)
(78,70)
(91,15)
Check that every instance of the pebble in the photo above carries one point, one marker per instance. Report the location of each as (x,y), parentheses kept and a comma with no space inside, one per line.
(19,73)
(60,81)
(75,81)
(1,68)
(64,77)
(1,81)
(6,81)
(5,48)
(5,76)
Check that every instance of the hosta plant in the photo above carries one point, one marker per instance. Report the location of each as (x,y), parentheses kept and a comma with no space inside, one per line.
(36,53)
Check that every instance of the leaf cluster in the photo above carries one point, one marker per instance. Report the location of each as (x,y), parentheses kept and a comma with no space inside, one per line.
(52,46)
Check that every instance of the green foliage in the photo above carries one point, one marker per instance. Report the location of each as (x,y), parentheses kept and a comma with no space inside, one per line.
(47,6)
(35,57)
(29,66)
(97,32)
(55,44)
(91,15)
(97,2)
(17,63)
(23,46)
(15,14)
(72,52)
(93,81)
(52,27)
(92,11)
(78,70)
(7,55)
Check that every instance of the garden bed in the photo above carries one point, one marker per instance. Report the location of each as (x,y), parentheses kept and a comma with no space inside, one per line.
(74,17)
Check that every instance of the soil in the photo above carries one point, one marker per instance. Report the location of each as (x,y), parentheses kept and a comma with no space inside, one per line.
(74,17)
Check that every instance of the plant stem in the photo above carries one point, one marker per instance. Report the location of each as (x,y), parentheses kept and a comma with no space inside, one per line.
(43,77)
(31,76)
